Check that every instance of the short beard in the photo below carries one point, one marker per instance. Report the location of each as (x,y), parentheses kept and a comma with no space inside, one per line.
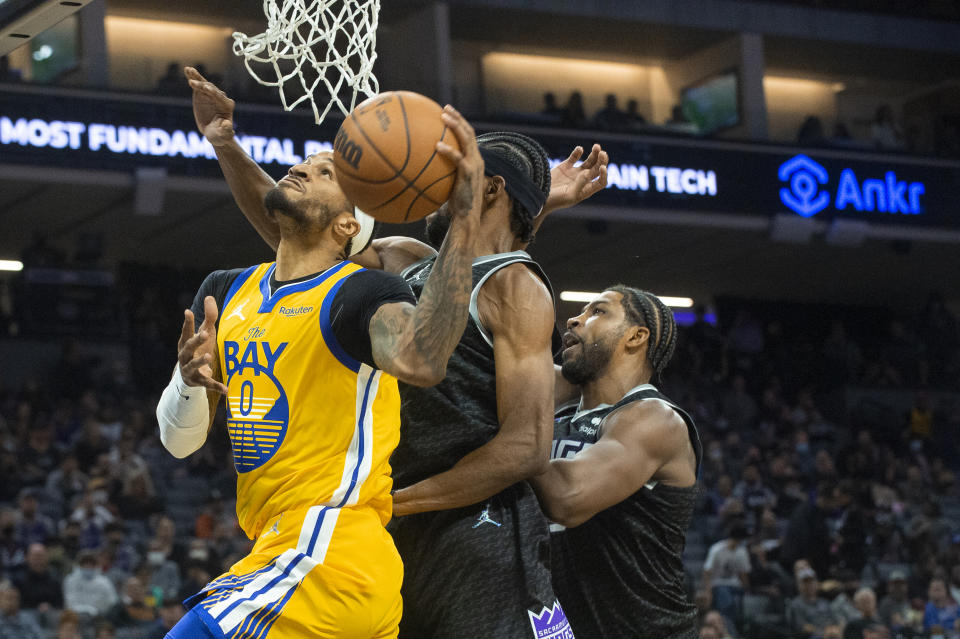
(436,230)
(591,362)
(277,203)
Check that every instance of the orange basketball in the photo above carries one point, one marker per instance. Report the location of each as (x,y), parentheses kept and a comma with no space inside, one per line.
(386,157)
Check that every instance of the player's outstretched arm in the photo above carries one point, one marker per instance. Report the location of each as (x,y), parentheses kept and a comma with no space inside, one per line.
(413,343)
(188,404)
(249,184)
(571,184)
(637,441)
(522,321)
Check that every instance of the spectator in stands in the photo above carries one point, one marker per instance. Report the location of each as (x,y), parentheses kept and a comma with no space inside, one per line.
(753,493)
(170,613)
(573,116)
(39,457)
(884,130)
(87,590)
(132,610)
(32,526)
(679,122)
(719,624)
(105,630)
(708,632)
(39,587)
(610,117)
(811,132)
(67,480)
(894,609)
(727,572)
(941,610)
(633,118)
(12,553)
(138,499)
(739,407)
(119,555)
(164,574)
(865,601)
(15,623)
(808,613)
(91,514)
(91,444)
(955,582)
(808,532)
(766,578)
(69,625)
(550,106)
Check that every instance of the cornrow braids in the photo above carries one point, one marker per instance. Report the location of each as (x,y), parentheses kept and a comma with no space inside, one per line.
(527,155)
(646,309)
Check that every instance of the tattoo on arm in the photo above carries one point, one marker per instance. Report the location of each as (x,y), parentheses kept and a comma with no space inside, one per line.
(414,343)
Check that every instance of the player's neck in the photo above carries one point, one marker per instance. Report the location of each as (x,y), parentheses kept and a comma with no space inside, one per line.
(495,237)
(610,386)
(298,258)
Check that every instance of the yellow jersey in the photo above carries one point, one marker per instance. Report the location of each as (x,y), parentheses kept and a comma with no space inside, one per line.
(308,424)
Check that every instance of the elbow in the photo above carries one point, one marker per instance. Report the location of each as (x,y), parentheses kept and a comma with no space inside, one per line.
(180,450)
(566,512)
(423,375)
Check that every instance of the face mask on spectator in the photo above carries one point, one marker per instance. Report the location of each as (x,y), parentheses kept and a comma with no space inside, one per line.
(156,557)
(88,573)
(200,554)
(803,447)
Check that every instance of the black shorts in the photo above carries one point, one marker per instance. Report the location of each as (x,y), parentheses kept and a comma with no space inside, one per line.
(479,571)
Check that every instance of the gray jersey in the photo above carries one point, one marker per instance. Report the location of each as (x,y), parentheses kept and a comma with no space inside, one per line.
(620,573)
(482,570)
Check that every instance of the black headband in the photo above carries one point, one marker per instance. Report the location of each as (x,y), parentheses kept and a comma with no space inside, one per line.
(519,185)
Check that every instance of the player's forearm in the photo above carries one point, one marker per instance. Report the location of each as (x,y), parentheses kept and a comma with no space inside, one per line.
(249,185)
(567,493)
(489,470)
(440,317)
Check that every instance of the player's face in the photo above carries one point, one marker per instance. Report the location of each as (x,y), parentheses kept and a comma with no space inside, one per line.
(309,192)
(592,338)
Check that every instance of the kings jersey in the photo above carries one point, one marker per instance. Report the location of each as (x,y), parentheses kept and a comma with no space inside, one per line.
(308,424)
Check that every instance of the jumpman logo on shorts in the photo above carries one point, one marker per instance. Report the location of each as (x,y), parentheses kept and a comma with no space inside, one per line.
(484,518)
(275,528)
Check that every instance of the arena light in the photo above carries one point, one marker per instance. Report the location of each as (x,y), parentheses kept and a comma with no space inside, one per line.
(588,296)
(11,265)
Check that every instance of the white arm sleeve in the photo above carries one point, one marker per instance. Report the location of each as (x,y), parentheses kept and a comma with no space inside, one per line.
(183,415)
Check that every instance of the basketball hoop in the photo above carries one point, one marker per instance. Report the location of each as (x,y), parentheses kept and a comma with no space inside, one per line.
(308,40)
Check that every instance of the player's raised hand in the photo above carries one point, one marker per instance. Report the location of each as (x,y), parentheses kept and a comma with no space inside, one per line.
(212,109)
(571,184)
(468,188)
(196,352)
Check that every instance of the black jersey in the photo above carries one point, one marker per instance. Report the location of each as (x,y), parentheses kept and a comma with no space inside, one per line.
(620,573)
(482,570)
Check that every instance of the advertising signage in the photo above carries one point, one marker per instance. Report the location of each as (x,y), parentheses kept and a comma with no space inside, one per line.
(663,173)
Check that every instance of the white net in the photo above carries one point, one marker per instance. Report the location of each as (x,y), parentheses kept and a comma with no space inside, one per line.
(309,43)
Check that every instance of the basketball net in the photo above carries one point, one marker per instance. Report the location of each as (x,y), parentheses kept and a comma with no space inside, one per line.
(309,42)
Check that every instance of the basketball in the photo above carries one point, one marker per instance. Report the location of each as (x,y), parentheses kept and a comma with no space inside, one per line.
(386,157)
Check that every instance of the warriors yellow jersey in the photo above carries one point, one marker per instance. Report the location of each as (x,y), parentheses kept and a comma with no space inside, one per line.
(309,425)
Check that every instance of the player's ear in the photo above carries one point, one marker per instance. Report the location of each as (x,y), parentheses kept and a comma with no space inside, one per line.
(346,225)
(637,336)
(493,188)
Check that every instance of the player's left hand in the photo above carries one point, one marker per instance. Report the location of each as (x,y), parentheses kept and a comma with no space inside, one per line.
(571,184)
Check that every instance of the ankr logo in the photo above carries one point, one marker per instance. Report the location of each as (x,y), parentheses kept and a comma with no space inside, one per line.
(808,191)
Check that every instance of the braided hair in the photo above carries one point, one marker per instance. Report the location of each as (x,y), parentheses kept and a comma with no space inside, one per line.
(645,309)
(528,156)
